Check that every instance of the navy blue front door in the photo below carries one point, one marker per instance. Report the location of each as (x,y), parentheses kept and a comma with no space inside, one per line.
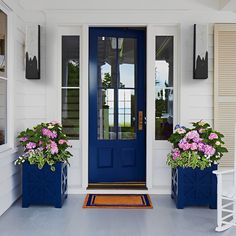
(117,105)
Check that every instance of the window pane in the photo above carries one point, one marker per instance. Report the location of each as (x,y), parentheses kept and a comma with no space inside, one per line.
(3,111)
(126,114)
(127,62)
(106,127)
(106,62)
(164,87)
(70,112)
(70,61)
(3,44)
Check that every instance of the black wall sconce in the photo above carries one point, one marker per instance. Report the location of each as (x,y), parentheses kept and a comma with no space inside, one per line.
(32,52)
(200,52)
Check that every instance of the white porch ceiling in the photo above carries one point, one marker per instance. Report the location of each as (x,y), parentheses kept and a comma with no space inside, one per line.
(229,5)
(121,4)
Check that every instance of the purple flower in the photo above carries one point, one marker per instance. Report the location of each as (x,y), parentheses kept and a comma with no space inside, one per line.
(209,150)
(30,145)
(23,139)
(213,136)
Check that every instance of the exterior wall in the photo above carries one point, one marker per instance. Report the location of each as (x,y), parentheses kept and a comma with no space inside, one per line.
(194,98)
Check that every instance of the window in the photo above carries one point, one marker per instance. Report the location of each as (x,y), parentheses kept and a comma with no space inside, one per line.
(70,86)
(3,78)
(164,71)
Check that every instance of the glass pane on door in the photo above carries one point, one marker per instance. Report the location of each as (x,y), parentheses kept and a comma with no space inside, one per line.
(106,84)
(116,78)
(126,114)
(106,128)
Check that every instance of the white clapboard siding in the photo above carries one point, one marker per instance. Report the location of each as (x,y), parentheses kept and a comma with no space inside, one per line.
(225,86)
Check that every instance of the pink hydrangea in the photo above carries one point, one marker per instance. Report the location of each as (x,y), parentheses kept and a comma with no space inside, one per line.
(213,136)
(53,147)
(192,135)
(30,145)
(209,150)
(183,144)
(49,133)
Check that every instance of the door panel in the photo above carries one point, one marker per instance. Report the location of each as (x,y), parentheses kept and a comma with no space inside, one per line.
(117,96)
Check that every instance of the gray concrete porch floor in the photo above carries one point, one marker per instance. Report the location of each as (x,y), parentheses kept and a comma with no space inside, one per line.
(72,220)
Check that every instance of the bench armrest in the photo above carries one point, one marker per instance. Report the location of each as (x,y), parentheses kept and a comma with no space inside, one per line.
(218,172)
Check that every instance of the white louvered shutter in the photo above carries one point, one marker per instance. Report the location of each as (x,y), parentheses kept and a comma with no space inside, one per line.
(225,86)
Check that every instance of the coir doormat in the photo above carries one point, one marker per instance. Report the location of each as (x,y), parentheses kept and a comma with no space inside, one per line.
(135,201)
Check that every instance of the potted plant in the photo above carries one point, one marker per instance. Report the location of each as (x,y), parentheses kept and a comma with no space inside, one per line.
(196,153)
(44,159)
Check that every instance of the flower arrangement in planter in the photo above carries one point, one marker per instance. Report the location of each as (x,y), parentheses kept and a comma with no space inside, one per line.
(44,160)
(44,144)
(199,147)
(195,154)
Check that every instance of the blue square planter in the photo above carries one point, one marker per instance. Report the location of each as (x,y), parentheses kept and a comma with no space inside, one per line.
(194,187)
(44,187)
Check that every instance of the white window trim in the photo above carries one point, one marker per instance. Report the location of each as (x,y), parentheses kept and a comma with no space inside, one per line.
(10,58)
(68,31)
(166,30)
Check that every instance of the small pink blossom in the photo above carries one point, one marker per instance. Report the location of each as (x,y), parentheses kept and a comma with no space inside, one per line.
(23,139)
(213,136)
(175,153)
(30,145)
(62,141)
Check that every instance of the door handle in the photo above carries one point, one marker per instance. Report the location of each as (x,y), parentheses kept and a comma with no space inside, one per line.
(140,120)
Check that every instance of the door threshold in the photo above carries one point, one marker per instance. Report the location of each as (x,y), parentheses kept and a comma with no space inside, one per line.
(118,185)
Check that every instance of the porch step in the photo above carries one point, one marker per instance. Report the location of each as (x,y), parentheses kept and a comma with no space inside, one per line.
(118,185)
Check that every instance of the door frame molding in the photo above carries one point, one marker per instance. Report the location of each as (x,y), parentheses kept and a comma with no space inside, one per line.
(151,144)
(150,101)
